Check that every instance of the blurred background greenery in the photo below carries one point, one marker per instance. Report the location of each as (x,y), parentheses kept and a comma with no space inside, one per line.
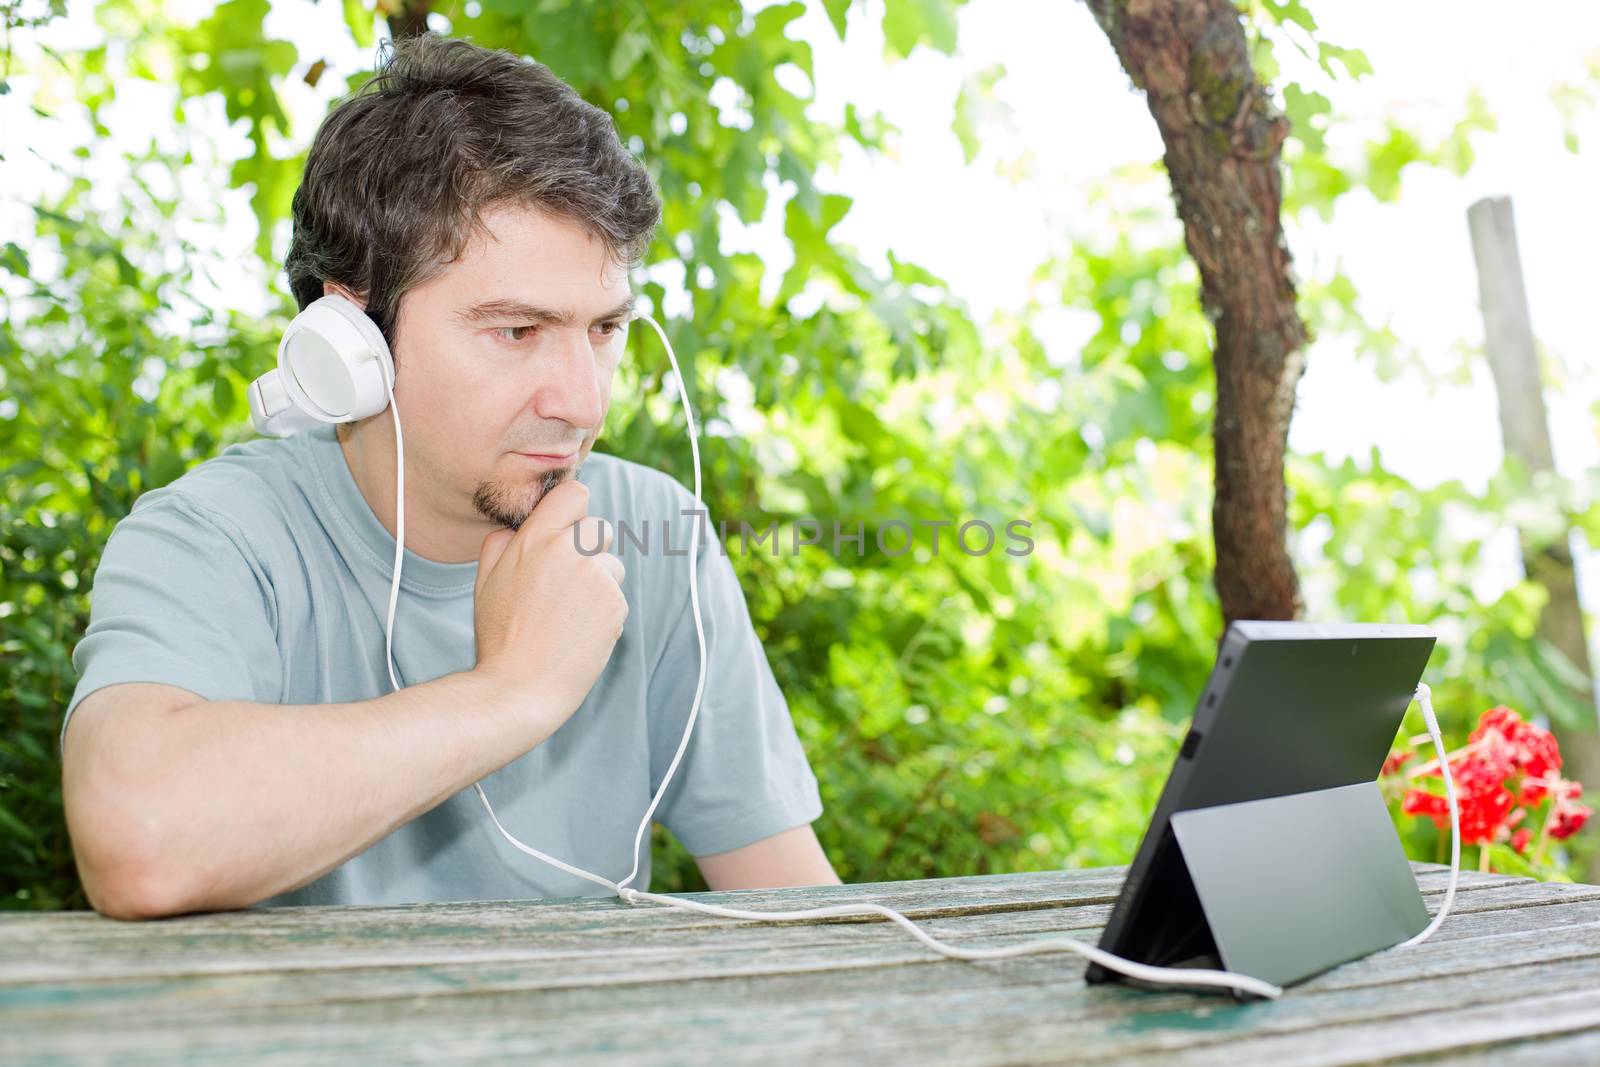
(964,714)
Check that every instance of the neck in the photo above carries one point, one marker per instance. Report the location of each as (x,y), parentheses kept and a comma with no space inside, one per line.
(369,452)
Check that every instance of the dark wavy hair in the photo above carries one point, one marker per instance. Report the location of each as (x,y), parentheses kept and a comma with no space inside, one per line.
(400,171)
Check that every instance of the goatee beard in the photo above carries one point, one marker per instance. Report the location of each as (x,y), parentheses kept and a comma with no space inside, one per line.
(492,506)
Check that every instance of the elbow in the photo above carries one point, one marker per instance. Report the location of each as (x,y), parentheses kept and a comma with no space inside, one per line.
(126,875)
(135,893)
(128,871)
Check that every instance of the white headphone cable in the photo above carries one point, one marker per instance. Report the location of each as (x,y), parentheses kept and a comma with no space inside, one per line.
(1130,968)
(694,599)
(1424,696)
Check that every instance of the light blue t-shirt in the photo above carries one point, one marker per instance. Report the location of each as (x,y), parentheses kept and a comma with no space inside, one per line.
(262,574)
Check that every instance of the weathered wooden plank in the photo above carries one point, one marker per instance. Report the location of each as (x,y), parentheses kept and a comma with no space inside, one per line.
(1485,940)
(584,979)
(66,932)
(254,941)
(42,1003)
(920,1016)
(1438,1034)
(985,885)
(1502,897)
(20,932)
(1578,1048)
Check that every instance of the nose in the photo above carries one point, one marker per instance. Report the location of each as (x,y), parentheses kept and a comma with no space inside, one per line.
(570,388)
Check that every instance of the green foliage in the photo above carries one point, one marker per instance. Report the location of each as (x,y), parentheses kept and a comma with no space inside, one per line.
(107,394)
(977,105)
(1577,98)
(964,713)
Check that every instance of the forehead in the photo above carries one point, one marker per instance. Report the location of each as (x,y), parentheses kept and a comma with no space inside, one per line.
(523,253)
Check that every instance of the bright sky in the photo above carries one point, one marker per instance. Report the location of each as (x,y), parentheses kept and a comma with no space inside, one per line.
(1072,107)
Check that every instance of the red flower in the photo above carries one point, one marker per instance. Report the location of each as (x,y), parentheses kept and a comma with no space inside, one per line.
(1483,798)
(1508,767)
(1421,802)
(1505,740)
(1568,816)
(1569,821)
(1396,758)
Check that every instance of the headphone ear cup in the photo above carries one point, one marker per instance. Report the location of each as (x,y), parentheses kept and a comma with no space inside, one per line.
(335,363)
(373,377)
(371,394)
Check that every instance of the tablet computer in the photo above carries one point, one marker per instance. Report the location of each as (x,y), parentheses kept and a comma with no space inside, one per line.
(1290,708)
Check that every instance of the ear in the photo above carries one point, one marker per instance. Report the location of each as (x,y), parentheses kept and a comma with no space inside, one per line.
(331,288)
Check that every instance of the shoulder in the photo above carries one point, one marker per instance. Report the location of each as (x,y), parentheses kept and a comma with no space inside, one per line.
(240,494)
(621,489)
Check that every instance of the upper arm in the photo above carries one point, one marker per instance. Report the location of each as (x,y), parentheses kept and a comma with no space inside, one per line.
(124,702)
(180,600)
(107,720)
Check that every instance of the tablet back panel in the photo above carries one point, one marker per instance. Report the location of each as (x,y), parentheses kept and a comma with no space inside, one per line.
(1290,708)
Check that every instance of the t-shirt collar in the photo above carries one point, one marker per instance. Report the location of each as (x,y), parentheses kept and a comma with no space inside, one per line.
(356,519)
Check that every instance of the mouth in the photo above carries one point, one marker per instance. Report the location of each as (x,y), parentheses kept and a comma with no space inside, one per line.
(550,459)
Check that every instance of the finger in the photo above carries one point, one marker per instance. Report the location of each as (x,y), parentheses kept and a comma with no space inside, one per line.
(494,546)
(613,566)
(560,507)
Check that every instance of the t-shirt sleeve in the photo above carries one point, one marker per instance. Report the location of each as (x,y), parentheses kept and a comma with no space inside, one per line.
(179,598)
(744,775)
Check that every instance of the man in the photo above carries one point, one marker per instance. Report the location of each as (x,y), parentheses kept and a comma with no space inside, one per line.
(233,739)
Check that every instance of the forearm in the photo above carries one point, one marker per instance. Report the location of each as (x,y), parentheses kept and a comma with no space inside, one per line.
(221,804)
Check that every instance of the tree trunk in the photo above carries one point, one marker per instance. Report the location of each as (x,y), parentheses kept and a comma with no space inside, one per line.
(1223,139)
(406,18)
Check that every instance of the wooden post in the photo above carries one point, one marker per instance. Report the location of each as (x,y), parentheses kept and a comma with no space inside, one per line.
(1513,360)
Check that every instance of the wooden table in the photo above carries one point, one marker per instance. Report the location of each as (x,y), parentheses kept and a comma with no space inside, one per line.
(1512,977)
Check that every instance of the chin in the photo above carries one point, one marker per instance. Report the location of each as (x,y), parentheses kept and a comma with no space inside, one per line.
(510,504)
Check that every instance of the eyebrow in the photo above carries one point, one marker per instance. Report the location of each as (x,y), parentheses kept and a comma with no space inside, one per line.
(521,311)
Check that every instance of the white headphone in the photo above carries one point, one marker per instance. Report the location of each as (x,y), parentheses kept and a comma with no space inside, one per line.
(333,366)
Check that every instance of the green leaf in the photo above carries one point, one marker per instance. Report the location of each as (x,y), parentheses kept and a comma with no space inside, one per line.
(569,42)
(361,21)
(1291,12)
(627,51)
(837,10)
(222,394)
(1385,161)
(974,102)
(1307,112)
(908,23)
(809,237)
(13,259)
(1354,60)
(911,274)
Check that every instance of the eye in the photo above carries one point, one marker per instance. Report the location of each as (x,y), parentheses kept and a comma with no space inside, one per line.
(514,333)
(610,327)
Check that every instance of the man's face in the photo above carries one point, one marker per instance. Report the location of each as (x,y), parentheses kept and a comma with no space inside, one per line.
(504,364)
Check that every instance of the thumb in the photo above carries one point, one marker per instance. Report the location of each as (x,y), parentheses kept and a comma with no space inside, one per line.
(494,547)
